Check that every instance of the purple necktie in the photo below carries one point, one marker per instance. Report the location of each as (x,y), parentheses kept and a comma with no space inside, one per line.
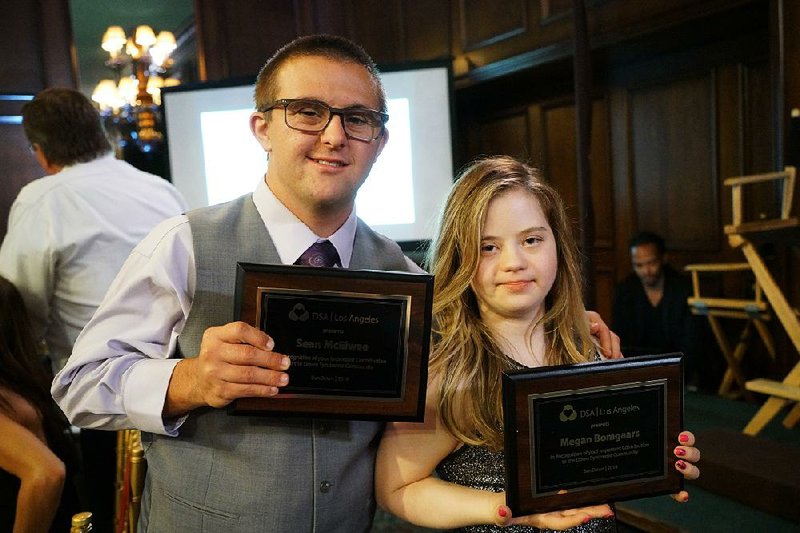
(320,254)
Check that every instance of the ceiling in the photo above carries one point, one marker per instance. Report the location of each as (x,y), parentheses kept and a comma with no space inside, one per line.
(90,18)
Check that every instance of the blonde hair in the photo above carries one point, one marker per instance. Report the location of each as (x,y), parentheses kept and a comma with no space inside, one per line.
(466,361)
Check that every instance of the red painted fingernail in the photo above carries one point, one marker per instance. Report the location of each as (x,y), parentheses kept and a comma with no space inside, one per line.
(684,438)
(502,512)
(680,464)
(586,519)
(680,451)
(609,515)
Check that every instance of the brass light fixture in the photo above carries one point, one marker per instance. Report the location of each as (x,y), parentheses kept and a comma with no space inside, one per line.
(130,101)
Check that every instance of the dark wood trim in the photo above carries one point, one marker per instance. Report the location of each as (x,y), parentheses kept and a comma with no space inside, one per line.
(212,62)
(519,63)
(777,45)
(60,63)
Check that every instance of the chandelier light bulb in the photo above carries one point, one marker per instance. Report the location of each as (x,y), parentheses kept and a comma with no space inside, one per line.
(166,40)
(154,85)
(145,37)
(132,50)
(105,95)
(128,90)
(113,40)
(165,45)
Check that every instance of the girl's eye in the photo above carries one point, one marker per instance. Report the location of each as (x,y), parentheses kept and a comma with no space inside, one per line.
(532,240)
(488,248)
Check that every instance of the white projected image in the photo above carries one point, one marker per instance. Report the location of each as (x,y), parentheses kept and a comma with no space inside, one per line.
(387,196)
(225,133)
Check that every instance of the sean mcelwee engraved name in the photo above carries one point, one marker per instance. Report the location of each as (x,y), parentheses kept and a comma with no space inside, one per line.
(328,344)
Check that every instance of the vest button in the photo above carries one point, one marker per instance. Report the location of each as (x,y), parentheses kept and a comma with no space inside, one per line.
(325,486)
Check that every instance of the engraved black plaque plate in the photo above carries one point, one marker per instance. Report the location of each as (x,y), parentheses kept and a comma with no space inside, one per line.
(593,433)
(358,340)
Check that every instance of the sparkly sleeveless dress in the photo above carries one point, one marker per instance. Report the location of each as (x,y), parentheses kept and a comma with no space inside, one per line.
(482,468)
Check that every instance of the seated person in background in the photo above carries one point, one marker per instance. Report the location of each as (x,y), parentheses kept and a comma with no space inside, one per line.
(37,454)
(651,314)
(507,296)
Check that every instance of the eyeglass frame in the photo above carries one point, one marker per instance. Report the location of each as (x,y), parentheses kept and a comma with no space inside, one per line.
(286,102)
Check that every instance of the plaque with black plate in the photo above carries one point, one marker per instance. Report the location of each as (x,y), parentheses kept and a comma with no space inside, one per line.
(584,434)
(358,340)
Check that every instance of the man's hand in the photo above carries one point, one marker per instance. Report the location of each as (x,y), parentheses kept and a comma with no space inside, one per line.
(608,340)
(235,361)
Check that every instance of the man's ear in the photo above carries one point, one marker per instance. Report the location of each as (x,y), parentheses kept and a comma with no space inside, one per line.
(259,126)
(383,140)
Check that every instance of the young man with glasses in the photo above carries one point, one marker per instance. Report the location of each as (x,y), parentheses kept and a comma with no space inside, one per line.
(163,356)
(168,357)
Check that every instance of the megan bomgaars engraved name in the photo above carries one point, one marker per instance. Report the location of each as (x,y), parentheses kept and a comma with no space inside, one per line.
(597,437)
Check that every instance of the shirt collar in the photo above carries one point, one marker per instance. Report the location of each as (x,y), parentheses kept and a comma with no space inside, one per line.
(96,162)
(291,236)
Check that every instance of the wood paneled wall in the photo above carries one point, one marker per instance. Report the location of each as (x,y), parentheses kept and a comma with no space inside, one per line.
(236,37)
(686,93)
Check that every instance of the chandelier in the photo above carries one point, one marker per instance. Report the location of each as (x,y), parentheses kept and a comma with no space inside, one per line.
(130,102)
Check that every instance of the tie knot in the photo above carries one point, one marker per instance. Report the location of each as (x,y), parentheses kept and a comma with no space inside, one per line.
(320,254)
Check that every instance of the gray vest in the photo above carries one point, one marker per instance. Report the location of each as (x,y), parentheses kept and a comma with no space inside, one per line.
(228,473)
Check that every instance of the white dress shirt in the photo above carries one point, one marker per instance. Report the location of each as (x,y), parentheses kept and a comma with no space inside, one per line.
(68,235)
(127,344)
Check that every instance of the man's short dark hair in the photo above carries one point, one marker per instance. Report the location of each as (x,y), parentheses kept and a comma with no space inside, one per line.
(66,126)
(328,46)
(648,237)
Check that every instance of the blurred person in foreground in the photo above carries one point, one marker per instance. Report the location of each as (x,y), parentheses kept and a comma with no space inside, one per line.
(38,458)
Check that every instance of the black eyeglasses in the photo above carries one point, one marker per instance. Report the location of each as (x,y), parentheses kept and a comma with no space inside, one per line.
(312,116)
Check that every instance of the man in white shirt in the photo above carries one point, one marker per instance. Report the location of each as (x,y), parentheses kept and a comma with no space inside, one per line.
(69,233)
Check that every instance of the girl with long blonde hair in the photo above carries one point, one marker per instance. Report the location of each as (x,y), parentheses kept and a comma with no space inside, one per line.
(508,295)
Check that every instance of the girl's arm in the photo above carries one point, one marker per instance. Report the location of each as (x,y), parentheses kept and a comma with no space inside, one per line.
(41,475)
(404,480)
(405,484)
